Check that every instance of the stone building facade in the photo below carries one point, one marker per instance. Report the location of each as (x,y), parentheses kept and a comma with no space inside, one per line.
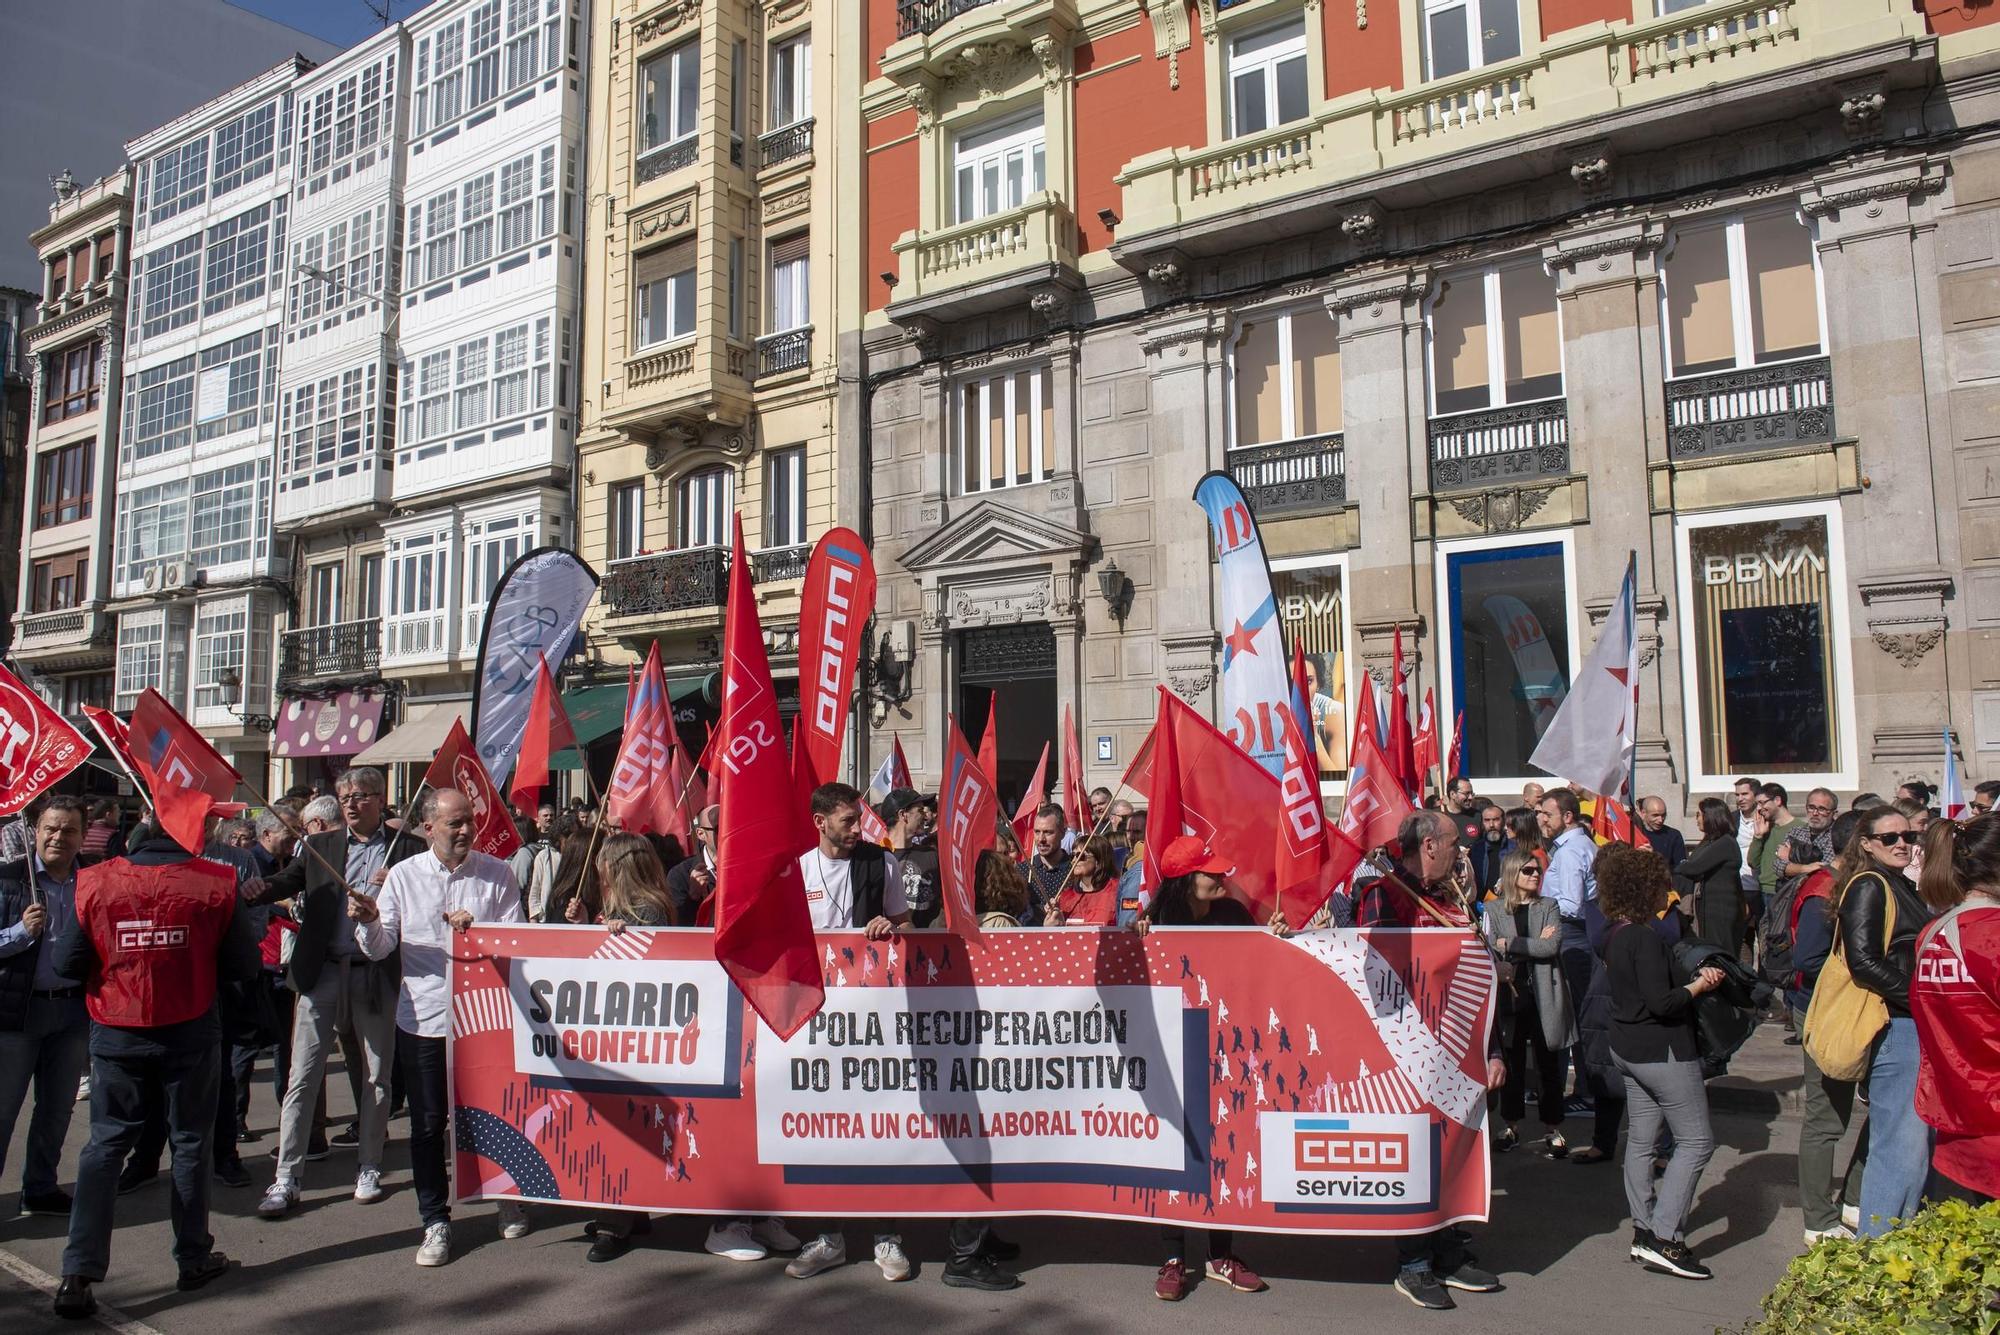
(1475,312)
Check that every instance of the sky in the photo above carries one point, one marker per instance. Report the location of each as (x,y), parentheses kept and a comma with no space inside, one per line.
(343,22)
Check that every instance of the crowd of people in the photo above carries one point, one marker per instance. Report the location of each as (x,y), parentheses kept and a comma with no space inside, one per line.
(1628,973)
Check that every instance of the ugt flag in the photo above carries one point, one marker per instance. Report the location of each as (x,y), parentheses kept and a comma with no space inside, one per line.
(37,745)
(1254,686)
(1591,740)
(457,766)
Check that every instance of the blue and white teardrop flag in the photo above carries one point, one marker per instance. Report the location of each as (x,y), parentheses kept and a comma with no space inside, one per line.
(1255,687)
(534,615)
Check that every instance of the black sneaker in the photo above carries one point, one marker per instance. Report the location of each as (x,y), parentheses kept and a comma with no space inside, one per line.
(232,1173)
(347,1138)
(607,1246)
(1422,1288)
(134,1177)
(978,1272)
(201,1272)
(315,1151)
(74,1300)
(1642,1238)
(1675,1259)
(999,1248)
(54,1201)
(1471,1279)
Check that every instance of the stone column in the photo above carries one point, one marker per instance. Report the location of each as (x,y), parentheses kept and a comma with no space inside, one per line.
(1607,286)
(1875,240)
(1184,359)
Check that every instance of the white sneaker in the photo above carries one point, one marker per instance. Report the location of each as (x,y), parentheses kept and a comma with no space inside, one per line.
(513,1220)
(1850,1218)
(734,1241)
(437,1245)
(771,1231)
(368,1184)
(279,1200)
(823,1253)
(1816,1235)
(890,1260)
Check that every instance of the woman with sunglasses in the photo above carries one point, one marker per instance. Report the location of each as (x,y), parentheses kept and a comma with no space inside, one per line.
(1525,930)
(1881,917)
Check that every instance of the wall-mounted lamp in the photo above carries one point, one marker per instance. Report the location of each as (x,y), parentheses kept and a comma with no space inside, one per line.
(1116,589)
(888,278)
(1108,218)
(231,682)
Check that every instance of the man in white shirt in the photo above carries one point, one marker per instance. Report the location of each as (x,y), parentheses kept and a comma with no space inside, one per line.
(1746,834)
(850,884)
(425,902)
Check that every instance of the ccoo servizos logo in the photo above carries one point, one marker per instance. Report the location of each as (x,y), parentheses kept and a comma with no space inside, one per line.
(1361,1162)
(1336,1150)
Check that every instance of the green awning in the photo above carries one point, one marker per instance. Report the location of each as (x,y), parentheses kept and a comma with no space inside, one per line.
(597,711)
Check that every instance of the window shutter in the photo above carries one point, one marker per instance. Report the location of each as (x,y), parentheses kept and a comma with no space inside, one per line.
(791,249)
(653,265)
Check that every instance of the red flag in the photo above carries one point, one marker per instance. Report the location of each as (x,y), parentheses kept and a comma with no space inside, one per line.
(805,778)
(117,739)
(183,772)
(459,768)
(1166,814)
(1366,710)
(1024,815)
(547,735)
(1376,799)
(37,745)
(989,744)
(1309,859)
(1402,757)
(1615,824)
(968,809)
(763,932)
(1455,758)
(1424,747)
(838,598)
(642,796)
(1076,799)
(871,826)
(899,774)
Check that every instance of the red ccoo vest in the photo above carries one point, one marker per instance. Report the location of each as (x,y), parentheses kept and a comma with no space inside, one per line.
(156,930)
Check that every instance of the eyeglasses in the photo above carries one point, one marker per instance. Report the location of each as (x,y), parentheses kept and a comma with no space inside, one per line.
(349,799)
(1893,837)
(1821,808)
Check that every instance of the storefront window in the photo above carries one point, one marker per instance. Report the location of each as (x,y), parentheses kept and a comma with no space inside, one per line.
(1312,599)
(1760,618)
(1509,654)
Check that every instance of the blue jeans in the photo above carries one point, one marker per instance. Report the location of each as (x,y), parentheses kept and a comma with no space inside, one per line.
(1899,1141)
(50,1053)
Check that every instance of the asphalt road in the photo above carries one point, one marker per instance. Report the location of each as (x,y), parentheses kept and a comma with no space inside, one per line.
(1557,1239)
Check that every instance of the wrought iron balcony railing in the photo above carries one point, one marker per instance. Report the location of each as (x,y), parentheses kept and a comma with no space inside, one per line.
(672,157)
(346,648)
(915,16)
(788,351)
(667,582)
(785,143)
(779,563)
(1499,445)
(1292,476)
(1757,408)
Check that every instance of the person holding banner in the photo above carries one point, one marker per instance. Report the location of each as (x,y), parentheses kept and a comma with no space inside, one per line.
(1091,898)
(1418,890)
(1193,893)
(426,902)
(692,881)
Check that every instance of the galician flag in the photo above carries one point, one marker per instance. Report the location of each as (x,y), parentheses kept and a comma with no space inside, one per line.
(1592,737)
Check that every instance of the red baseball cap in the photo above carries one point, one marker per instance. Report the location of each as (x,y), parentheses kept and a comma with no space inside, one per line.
(1188,854)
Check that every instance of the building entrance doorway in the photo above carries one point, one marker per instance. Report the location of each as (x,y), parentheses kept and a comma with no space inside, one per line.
(1013,667)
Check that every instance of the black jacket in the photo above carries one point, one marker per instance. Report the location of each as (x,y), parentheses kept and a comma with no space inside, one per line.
(319,902)
(1712,873)
(682,889)
(1669,844)
(17,971)
(1863,916)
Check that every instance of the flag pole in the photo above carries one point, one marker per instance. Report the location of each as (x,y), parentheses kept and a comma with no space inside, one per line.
(1632,770)
(339,874)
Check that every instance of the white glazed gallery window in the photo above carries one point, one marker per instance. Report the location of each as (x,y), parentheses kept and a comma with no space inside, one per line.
(671,86)
(173,286)
(1267,78)
(664,290)
(237,259)
(152,527)
(228,515)
(418,566)
(706,500)
(998,168)
(1496,338)
(491,546)
(141,655)
(791,81)
(243,148)
(1742,292)
(1003,431)
(159,409)
(235,381)
(220,633)
(1461,35)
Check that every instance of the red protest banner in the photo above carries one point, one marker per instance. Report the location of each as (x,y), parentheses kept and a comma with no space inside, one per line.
(1330,1083)
(37,745)
(837,600)
(457,767)
(968,815)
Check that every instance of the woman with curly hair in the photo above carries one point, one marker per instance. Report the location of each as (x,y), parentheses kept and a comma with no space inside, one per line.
(1653,1045)
(1000,892)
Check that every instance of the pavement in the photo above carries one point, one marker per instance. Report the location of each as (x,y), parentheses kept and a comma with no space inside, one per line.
(1558,1240)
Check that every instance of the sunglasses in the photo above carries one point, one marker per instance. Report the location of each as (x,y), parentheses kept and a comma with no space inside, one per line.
(1894,837)
(1535,872)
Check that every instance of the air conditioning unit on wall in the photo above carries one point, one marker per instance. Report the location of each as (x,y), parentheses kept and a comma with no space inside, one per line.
(180,575)
(152,579)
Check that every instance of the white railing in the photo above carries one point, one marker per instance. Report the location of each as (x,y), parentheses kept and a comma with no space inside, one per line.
(1711,33)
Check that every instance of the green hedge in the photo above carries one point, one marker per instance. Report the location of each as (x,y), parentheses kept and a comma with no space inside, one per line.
(1939,1274)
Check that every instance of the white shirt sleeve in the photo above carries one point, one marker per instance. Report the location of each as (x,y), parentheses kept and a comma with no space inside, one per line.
(378,939)
(506,895)
(894,902)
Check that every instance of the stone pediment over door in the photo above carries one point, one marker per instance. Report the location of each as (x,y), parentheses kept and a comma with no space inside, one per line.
(992,535)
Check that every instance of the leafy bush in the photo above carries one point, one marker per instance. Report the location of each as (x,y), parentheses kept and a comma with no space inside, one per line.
(1939,1274)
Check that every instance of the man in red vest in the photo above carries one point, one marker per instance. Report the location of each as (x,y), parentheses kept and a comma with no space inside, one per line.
(156,931)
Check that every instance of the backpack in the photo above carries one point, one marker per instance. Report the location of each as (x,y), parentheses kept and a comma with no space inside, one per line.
(1819,885)
(1775,931)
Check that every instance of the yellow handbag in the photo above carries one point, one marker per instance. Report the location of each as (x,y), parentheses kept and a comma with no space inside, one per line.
(1844,1018)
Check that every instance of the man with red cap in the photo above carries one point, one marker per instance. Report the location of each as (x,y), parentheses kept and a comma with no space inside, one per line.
(157,931)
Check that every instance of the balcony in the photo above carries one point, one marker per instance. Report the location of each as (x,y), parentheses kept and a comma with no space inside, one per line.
(667,158)
(66,637)
(653,368)
(778,354)
(984,264)
(1495,446)
(344,649)
(927,16)
(414,637)
(774,564)
(786,144)
(1758,408)
(1607,81)
(696,577)
(1291,477)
